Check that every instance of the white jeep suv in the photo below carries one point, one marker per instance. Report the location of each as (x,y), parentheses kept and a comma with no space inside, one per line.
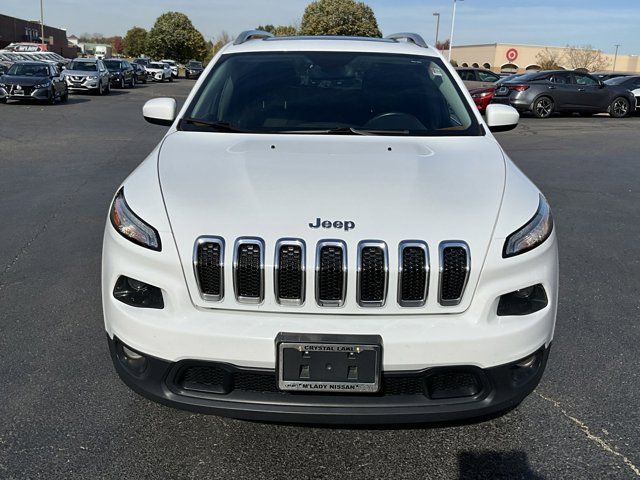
(329,232)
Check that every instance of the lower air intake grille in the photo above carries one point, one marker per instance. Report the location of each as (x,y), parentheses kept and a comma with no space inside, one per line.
(454,272)
(331,274)
(290,272)
(372,274)
(414,274)
(249,270)
(208,262)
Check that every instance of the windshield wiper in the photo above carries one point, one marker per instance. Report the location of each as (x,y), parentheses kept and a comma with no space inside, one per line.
(347,131)
(218,126)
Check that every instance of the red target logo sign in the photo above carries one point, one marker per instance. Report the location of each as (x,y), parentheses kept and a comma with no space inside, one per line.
(512,54)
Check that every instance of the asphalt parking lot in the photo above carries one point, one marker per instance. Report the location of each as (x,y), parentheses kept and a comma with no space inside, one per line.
(65,413)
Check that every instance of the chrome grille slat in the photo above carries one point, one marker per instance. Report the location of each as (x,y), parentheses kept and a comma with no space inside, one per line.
(331,273)
(248,270)
(455,264)
(208,266)
(289,272)
(372,273)
(413,273)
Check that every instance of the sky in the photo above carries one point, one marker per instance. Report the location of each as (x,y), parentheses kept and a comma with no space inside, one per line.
(600,23)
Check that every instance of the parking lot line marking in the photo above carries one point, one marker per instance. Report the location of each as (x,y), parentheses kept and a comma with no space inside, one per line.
(594,438)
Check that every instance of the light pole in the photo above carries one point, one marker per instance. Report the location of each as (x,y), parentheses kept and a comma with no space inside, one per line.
(453,22)
(615,58)
(437,14)
(41,23)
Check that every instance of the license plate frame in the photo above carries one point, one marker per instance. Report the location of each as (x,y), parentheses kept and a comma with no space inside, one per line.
(317,363)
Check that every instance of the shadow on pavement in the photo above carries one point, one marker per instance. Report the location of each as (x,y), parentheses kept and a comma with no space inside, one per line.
(495,465)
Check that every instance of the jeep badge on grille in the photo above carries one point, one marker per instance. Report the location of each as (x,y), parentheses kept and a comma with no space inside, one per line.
(344,224)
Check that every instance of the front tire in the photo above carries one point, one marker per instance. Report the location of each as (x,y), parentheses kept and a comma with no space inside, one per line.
(171,79)
(620,108)
(543,107)
(52,97)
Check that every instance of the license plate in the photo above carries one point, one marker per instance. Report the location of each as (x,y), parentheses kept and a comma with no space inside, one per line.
(329,363)
(18,93)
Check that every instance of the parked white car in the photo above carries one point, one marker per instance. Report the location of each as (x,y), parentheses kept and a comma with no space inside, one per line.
(174,67)
(159,72)
(330,232)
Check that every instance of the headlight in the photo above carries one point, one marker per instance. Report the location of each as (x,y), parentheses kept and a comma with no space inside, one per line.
(535,232)
(132,227)
(42,85)
(92,77)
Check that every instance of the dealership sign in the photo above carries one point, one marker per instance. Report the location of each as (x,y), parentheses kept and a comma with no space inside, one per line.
(512,54)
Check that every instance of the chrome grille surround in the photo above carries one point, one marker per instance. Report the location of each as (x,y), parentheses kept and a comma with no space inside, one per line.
(294,242)
(419,244)
(377,245)
(319,248)
(451,244)
(241,242)
(200,242)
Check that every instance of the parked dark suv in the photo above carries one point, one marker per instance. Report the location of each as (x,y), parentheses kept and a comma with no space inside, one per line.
(140,72)
(193,69)
(544,93)
(122,73)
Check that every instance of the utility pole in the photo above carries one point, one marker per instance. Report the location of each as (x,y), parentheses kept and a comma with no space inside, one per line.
(453,22)
(41,23)
(615,58)
(437,14)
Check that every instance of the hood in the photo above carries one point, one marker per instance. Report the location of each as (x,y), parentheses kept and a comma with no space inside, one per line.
(25,81)
(235,185)
(81,73)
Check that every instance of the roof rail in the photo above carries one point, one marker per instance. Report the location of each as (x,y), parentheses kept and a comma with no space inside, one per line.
(409,37)
(250,35)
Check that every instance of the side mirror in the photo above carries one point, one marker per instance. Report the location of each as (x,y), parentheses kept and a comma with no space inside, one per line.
(501,118)
(160,111)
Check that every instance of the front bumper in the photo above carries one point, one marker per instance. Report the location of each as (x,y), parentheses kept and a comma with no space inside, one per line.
(405,397)
(41,94)
(85,85)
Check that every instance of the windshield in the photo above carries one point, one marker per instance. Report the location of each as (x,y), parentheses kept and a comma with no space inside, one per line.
(157,65)
(112,64)
(319,92)
(28,70)
(194,65)
(83,66)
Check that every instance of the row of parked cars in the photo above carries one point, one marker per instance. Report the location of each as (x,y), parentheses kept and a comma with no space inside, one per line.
(33,77)
(544,93)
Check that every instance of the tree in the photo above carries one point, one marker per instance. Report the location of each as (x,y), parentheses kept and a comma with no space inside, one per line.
(134,42)
(443,45)
(214,47)
(116,44)
(549,59)
(339,17)
(280,30)
(174,36)
(585,57)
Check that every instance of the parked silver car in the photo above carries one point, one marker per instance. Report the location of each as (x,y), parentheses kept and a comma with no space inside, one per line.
(87,75)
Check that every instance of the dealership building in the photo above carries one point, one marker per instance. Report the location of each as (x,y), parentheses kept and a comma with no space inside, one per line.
(513,57)
(17,30)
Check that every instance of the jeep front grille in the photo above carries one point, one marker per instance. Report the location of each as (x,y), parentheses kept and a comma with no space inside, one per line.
(331,273)
(413,274)
(330,285)
(455,264)
(208,263)
(248,270)
(289,272)
(373,274)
